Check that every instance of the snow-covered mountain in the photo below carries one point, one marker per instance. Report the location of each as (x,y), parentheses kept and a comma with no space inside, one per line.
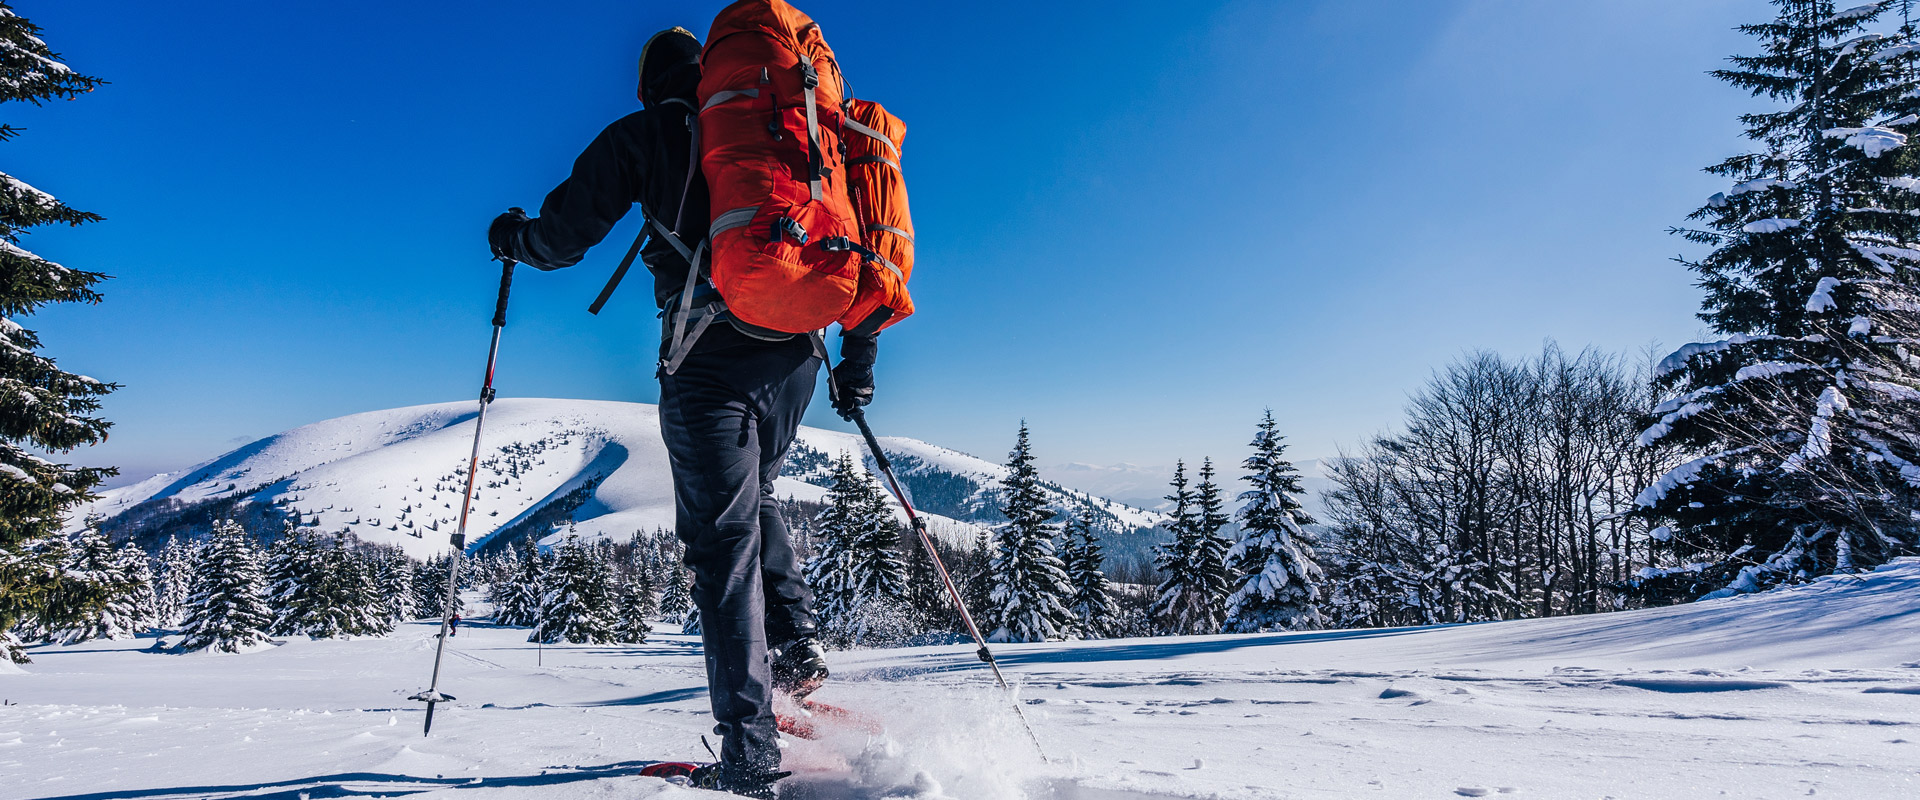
(395,477)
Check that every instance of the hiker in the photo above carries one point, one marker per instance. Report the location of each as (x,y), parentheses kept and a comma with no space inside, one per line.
(730,405)
(453,624)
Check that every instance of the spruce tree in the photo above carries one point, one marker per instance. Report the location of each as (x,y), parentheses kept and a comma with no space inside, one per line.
(75,609)
(676,601)
(630,615)
(430,588)
(517,600)
(1191,599)
(226,608)
(859,582)
(396,588)
(1277,577)
(364,605)
(294,573)
(43,409)
(1094,611)
(1804,423)
(1028,601)
(578,605)
(136,608)
(173,580)
(932,610)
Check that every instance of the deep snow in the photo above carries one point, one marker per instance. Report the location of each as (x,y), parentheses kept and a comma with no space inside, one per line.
(1809,690)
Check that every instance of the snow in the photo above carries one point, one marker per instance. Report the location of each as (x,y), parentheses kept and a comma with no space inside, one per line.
(1760,184)
(1677,360)
(1822,298)
(1819,443)
(1770,225)
(396,476)
(1878,254)
(26,192)
(1768,369)
(1675,478)
(1873,141)
(1808,690)
(1853,45)
(1855,13)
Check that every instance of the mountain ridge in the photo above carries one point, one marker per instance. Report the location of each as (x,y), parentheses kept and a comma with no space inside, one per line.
(394,476)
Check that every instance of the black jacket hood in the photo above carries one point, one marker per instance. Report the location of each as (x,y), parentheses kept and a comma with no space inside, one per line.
(670,67)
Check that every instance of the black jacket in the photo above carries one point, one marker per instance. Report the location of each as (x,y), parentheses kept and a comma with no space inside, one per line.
(642,158)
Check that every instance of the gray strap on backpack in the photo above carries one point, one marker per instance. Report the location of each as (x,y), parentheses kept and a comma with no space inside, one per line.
(682,343)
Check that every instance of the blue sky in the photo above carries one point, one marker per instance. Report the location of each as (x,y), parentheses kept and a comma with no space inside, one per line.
(1139,223)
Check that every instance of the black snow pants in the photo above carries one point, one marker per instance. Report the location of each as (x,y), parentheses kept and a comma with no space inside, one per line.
(728,415)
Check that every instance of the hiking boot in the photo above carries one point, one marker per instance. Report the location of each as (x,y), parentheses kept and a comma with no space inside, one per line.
(723,778)
(799,666)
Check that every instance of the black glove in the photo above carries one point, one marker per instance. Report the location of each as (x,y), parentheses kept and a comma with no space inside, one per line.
(500,234)
(853,378)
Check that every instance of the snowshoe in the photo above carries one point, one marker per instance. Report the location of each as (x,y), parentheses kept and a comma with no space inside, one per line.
(669,770)
(799,666)
(722,778)
(809,719)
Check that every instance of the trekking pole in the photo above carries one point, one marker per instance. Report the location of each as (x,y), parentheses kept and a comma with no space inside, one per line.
(433,695)
(939,566)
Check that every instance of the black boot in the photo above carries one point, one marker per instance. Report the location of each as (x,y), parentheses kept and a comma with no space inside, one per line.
(799,666)
(724,778)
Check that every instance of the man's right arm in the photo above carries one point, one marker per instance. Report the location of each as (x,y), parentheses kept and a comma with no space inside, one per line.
(579,213)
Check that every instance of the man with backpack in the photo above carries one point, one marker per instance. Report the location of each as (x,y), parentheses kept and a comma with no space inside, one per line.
(732,388)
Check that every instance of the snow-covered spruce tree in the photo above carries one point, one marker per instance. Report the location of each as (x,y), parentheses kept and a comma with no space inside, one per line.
(365,609)
(430,588)
(72,612)
(927,600)
(1804,422)
(859,583)
(173,578)
(1028,602)
(396,587)
(691,626)
(227,609)
(1192,597)
(1277,577)
(42,408)
(676,600)
(1095,613)
(294,574)
(635,605)
(578,604)
(517,600)
(136,608)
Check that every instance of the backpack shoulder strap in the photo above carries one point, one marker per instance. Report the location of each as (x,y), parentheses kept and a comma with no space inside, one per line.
(672,236)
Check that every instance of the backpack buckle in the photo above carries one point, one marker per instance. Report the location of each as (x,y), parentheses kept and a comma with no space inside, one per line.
(842,244)
(809,77)
(786,228)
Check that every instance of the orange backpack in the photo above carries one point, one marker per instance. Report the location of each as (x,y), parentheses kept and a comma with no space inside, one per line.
(810,223)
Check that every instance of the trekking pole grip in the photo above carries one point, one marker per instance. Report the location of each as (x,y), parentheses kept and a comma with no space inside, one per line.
(506,285)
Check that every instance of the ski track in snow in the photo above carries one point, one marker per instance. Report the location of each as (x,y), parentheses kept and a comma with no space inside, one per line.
(1810,690)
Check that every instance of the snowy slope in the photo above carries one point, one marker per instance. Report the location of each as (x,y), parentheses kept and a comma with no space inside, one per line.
(1812,691)
(395,476)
